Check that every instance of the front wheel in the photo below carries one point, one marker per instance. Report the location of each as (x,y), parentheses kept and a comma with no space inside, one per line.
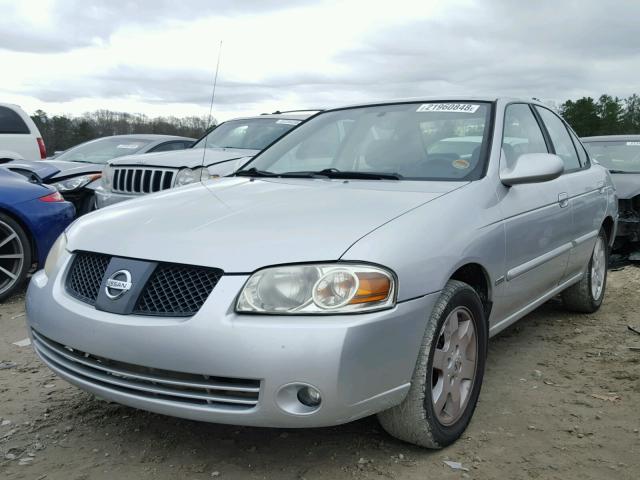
(586,296)
(446,382)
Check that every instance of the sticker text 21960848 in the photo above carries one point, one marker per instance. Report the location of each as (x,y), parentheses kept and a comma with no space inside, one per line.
(448,107)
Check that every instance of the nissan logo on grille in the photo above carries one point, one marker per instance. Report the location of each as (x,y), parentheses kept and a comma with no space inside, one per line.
(118,284)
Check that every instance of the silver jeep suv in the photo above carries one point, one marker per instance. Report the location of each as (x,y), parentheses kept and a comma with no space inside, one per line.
(218,153)
(357,266)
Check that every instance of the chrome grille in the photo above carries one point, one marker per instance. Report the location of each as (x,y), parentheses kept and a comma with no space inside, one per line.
(177,290)
(185,388)
(85,276)
(140,180)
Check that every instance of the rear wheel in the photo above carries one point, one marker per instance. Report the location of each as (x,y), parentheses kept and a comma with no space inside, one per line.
(15,256)
(586,296)
(448,374)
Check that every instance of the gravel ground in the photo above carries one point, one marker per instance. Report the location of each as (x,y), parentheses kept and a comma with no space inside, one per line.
(561,399)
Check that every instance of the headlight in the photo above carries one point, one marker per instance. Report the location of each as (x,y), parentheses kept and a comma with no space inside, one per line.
(317,289)
(191,175)
(107,176)
(75,183)
(56,254)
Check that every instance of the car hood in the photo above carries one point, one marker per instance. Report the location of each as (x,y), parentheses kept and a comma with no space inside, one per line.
(191,157)
(53,170)
(627,184)
(240,224)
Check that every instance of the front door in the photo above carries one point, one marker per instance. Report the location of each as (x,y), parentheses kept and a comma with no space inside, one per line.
(537,218)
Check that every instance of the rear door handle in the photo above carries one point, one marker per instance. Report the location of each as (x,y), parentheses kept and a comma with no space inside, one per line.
(563,199)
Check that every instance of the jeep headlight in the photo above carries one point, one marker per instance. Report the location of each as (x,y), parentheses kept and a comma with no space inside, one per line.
(318,289)
(107,176)
(191,175)
(55,256)
(75,183)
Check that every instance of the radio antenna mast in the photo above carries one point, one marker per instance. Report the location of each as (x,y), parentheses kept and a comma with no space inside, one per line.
(213,95)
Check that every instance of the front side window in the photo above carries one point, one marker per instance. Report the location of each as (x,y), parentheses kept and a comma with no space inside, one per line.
(560,138)
(618,156)
(412,141)
(521,135)
(104,149)
(10,122)
(251,134)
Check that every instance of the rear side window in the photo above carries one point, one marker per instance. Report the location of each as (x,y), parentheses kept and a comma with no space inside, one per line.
(10,122)
(582,153)
(560,138)
(169,146)
(522,133)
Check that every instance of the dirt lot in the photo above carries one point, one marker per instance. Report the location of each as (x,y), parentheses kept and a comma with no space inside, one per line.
(561,399)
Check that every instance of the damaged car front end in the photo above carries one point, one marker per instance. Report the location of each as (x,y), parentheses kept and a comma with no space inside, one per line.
(621,155)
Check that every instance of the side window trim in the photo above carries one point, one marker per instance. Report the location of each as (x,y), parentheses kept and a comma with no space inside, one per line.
(546,132)
(578,146)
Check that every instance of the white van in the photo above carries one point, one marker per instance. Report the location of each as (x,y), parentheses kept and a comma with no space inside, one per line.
(20,139)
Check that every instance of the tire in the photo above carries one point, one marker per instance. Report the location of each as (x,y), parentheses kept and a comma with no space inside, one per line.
(15,256)
(583,297)
(416,420)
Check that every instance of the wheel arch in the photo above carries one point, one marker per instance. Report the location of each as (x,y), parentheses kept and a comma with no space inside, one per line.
(608,225)
(477,277)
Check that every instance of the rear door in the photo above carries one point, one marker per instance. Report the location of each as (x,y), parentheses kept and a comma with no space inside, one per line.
(15,135)
(586,189)
(537,217)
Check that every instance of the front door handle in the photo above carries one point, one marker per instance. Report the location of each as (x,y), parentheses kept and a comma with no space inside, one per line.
(563,199)
(601,187)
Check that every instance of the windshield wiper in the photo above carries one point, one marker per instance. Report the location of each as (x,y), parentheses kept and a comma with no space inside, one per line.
(254,172)
(335,173)
(622,171)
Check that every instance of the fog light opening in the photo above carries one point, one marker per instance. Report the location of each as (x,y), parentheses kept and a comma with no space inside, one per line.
(309,397)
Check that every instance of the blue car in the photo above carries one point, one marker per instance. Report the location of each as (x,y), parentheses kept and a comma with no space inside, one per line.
(32,216)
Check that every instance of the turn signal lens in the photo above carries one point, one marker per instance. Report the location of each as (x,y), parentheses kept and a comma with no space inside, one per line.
(374,287)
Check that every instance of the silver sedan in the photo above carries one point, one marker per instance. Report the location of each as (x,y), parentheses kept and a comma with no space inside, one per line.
(357,266)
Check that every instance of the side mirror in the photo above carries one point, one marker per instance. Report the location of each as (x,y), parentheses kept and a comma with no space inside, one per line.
(532,168)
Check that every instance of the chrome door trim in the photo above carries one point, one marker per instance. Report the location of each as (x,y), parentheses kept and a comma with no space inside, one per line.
(536,262)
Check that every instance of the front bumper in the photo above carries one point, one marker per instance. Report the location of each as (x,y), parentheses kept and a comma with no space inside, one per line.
(361,364)
(104,198)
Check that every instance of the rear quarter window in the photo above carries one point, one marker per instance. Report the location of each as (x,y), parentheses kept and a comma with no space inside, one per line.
(10,122)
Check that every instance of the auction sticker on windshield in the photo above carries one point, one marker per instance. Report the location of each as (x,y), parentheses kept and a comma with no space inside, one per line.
(288,122)
(448,107)
(633,144)
(129,146)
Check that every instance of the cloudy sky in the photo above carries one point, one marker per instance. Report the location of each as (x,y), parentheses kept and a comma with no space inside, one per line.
(158,56)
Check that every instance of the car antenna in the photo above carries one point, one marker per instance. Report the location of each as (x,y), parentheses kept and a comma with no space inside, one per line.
(213,96)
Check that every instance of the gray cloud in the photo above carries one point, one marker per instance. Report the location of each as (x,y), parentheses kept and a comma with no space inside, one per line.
(77,23)
(551,50)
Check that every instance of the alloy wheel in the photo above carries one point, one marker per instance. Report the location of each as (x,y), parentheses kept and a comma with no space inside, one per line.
(11,257)
(454,366)
(598,268)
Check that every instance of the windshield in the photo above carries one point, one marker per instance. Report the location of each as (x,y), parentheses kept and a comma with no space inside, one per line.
(623,156)
(249,134)
(414,141)
(103,150)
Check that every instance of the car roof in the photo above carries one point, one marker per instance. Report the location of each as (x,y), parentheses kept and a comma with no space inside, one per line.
(147,136)
(443,99)
(612,138)
(295,115)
